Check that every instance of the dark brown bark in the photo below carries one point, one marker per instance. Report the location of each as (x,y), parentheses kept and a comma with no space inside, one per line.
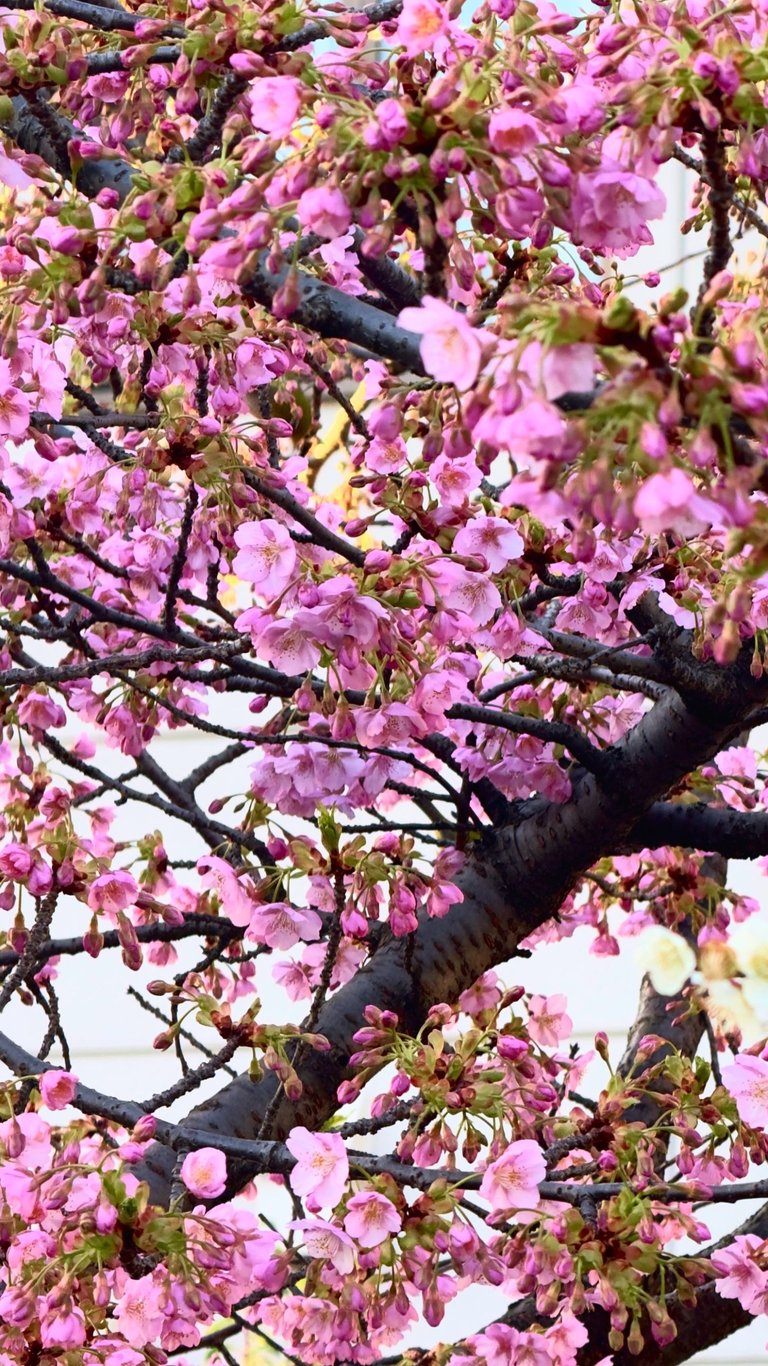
(695,825)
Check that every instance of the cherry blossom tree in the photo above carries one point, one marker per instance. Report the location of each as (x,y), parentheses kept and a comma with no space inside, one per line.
(337,428)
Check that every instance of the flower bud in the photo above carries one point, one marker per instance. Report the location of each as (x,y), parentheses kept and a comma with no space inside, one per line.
(144,1129)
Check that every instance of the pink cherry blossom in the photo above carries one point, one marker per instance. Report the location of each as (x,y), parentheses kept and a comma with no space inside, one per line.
(436,693)
(284,643)
(549,1021)
(389,125)
(281,926)
(342,615)
(371,1219)
(388,726)
(328,1242)
(455,479)
(266,556)
(29,476)
(322,1167)
(16,861)
(518,210)
(57,1088)
(511,1182)
(513,132)
(13,174)
(612,207)
(204,1172)
(450,347)
(739,1274)
(747,1080)
(484,994)
(669,502)
(15,406)
(469,592)
(39,711)
(274,103)
(493,538)
(61,1324)
(138,1312)
(419,24)
(17,1306)
(324,210)
(113,891)
(233,894)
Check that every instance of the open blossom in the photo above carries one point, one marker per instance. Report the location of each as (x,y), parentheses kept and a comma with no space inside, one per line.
(57,1088)
(612,208)
(13,174)
(739,1276)
(15,861)
(371,1219)
(492,537)
(747,1080)
(281,926)
(388,125)
(27,866)
(549,1022)
(669,502)
(666,957)
(221,877)
(61,1325)
(15,406)
(391,725)
(420,23)
(322,1167)
(113,891)
(455,478)
(738,766)
(266,556)
(41,712)
(465,591)
(513,132)
(284,643)
(274,102)
(517,210)
(327,1241)
(512,1181)
(324,210)
(204,1172)
(138,1311)
(450,346)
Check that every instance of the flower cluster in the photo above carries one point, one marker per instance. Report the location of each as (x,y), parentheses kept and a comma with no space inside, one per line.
(343,429)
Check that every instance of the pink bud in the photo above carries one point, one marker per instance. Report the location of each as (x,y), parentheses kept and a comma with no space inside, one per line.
(378,561)
(15,1140)
(144,1129)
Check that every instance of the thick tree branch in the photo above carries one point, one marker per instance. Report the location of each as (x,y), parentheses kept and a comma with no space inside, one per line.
(193,926)
(515,881)
(696,825)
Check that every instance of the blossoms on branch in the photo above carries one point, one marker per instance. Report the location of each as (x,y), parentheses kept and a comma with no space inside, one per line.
(392,490)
